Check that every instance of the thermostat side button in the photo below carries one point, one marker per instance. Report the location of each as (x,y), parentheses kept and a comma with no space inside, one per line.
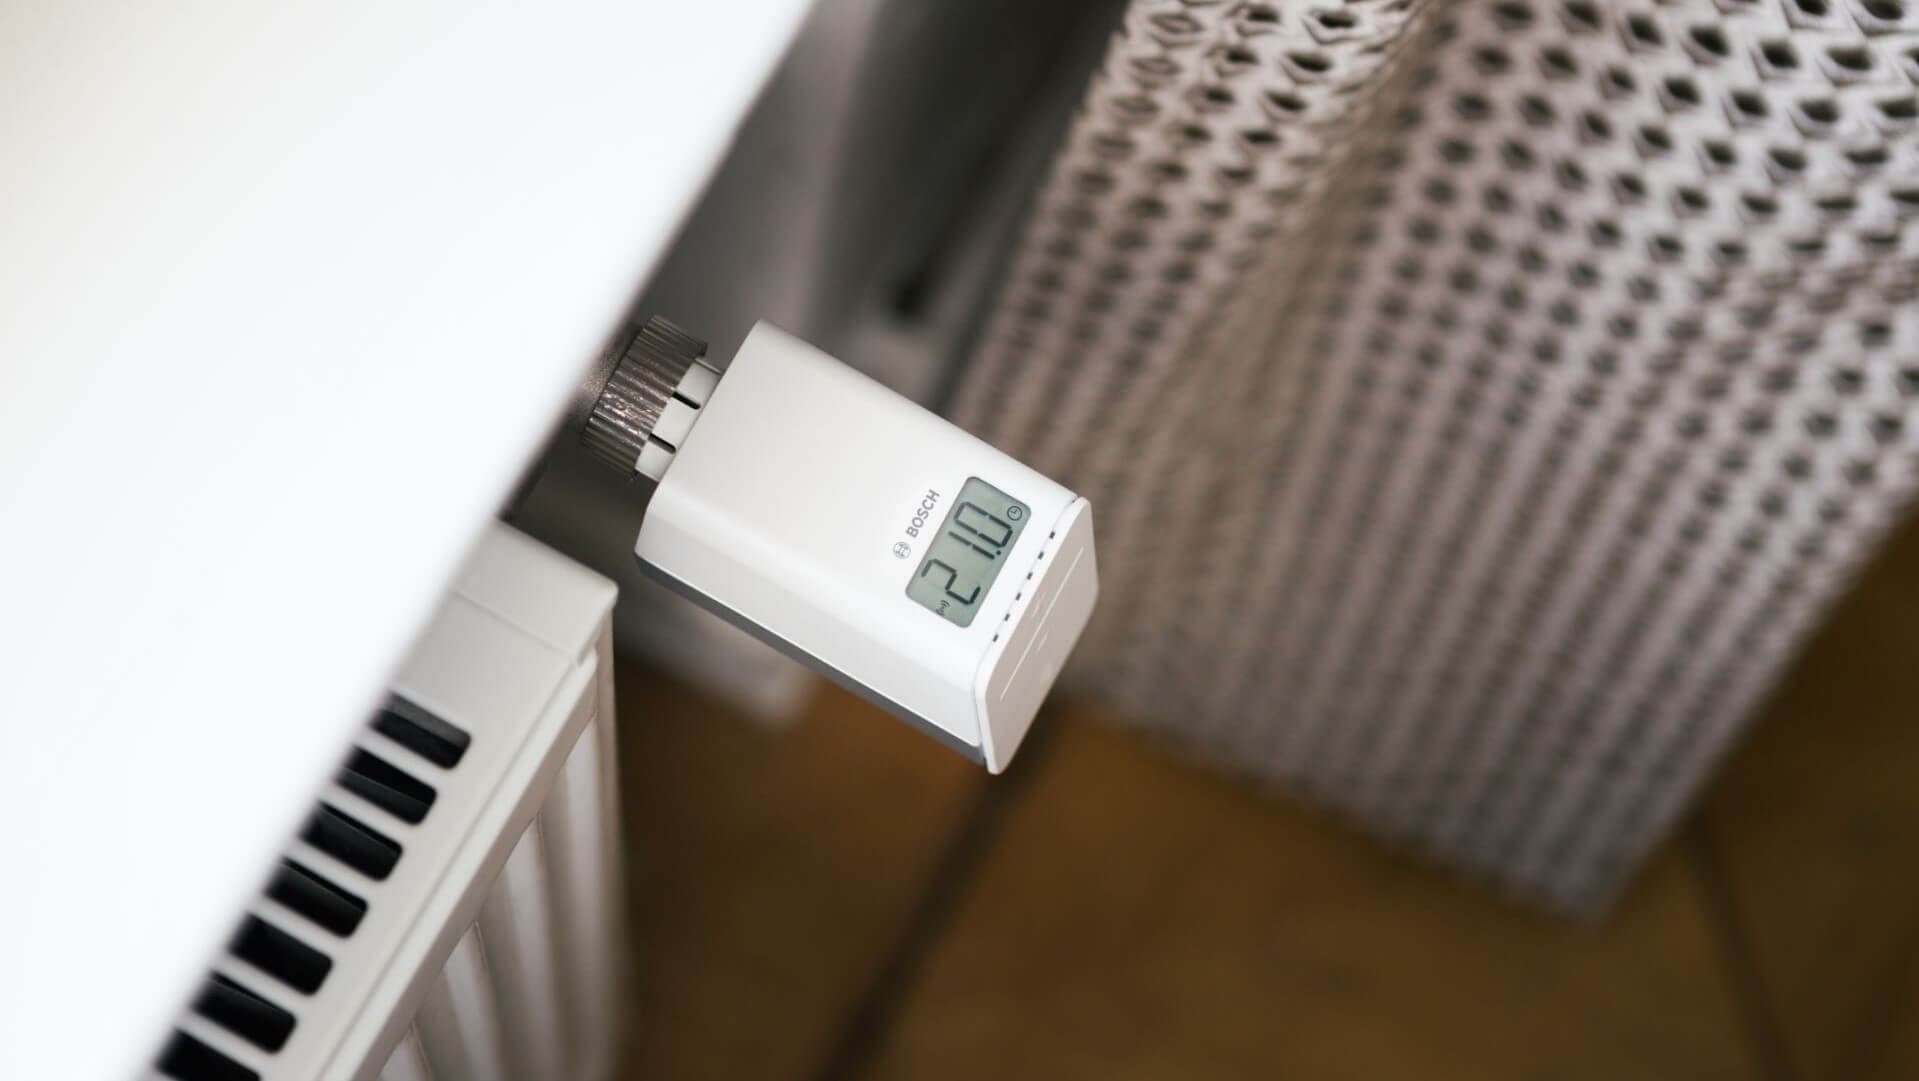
(1019,671)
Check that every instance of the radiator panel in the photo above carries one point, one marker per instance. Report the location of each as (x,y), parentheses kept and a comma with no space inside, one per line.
(517,922)
(459,1023)
(488,947)
(583,845)
(408,1060)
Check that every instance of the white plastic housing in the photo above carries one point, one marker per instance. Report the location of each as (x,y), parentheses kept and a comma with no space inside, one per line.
(790,509)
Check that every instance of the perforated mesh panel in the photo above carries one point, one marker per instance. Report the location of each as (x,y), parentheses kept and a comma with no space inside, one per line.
(1479,401)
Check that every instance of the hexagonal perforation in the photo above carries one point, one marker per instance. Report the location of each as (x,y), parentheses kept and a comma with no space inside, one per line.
(1492,399)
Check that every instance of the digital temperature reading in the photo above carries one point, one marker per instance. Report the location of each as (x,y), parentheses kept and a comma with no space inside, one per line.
(965,559)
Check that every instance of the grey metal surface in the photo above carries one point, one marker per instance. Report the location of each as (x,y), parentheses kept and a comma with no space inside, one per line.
(1481,400)
(636,390)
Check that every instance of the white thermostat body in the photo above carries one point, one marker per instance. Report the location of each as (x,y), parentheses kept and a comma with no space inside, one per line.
(862,534)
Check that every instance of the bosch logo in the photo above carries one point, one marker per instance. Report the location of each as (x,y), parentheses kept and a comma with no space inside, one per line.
(903,549)
(924,512)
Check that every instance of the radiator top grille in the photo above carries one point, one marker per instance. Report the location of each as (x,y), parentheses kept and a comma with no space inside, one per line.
(278,960)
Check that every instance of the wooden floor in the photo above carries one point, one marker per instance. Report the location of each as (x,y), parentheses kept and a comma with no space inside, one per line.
(846,900)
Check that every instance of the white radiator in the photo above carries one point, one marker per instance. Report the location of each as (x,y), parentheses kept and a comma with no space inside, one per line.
(453,909)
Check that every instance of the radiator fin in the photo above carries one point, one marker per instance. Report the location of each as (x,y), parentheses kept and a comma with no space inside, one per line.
(408,1060)
(459,1022)
(578,843)
(518,925)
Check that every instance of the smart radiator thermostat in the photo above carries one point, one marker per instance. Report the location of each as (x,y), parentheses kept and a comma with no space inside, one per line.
(854,530)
